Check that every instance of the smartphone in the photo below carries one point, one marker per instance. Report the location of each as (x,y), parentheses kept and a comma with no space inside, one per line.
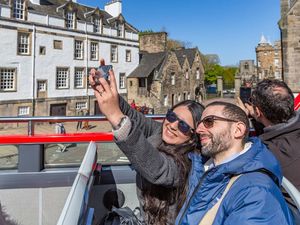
(102,71)
(245,94)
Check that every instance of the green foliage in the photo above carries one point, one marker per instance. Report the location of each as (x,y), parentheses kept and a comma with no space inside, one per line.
(212,72)
(215,70)
(141,33)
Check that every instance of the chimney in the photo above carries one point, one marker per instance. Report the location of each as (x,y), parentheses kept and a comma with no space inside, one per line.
(153,42)
(114,7)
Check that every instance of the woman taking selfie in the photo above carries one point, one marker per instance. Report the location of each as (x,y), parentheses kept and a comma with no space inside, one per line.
(161,153)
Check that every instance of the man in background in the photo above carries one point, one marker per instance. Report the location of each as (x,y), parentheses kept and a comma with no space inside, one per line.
(272,104)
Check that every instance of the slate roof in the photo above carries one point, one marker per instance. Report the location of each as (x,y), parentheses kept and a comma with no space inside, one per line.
(49,7)
(148,63)
(188,53)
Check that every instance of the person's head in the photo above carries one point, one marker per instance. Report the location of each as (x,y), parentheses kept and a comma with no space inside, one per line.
(102,62)
(180,123)
(223,127)
(274,100)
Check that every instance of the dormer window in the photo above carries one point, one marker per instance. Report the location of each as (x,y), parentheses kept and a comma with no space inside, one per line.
(70,20)
(97,24)
(119,28)
(19,9)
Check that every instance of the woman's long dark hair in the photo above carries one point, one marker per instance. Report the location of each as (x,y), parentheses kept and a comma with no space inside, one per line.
(159,198)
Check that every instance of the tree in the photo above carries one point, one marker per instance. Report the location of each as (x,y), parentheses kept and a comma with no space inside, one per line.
(174,44)
(212,73)
(210,60)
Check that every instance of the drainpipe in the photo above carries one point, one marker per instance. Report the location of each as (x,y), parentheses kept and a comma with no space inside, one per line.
(31,123)
(33,69)
(86,69)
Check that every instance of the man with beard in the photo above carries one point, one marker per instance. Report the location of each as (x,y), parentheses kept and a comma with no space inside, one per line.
(242,165)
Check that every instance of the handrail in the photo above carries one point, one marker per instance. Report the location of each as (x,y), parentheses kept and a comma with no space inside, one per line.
(31,120)
(57,138)
(24,119)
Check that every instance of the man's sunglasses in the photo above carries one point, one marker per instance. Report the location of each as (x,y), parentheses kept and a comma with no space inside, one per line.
(183,127)
(209,121)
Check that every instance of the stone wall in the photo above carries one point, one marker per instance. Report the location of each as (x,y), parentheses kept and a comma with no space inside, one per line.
(290,32)
(153,42)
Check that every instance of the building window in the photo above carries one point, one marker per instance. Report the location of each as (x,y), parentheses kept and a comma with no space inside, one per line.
(94,51)
(189,96)
(19,9)
(78,49)
(173,79)
(186,74)
(128,56)
(179,98)
(57,44)
(78,78)
(246,66)
(70,20)
(142,82)
(23,110)
(81,105)
(114,53)
(62,78)
(165,100)
(119,28)
(42,50)
(276,62)
(97,23)
(23,43)
(42,85)
(7,79)
(197,74)
(122,80)
(184,96)
(130,83)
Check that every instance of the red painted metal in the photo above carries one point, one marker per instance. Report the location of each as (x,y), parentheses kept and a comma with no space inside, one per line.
(297,102)
(56,138)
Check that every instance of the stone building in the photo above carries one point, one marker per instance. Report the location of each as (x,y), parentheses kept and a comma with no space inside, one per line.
(268,58)
(247,72)
(163,77)
(49,46)
(289,25)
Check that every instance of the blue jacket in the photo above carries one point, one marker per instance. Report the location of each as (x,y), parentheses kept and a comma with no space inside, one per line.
(254,198)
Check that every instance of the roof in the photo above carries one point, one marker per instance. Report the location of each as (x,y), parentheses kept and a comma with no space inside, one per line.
(49,7)
(148,63)
(188,53)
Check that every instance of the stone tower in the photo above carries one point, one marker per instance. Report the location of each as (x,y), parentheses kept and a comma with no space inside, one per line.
(289,25)
(265,59)
(153,42)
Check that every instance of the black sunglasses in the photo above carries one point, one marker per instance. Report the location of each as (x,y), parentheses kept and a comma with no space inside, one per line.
(183,127)
(209,121)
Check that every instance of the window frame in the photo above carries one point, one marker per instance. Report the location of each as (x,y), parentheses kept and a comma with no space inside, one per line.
(38,85)
(78,49)
(76,78)
(94,54)
(122,80)
(20,11)
(128,53)
(12,80)
(26,47)
(70,20)
(67,78)
(25,108)
(112,54)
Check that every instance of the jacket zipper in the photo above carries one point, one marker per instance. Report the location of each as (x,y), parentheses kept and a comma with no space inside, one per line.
(194,192)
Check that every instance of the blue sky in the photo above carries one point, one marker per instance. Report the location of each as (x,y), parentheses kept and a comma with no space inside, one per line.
(228,28)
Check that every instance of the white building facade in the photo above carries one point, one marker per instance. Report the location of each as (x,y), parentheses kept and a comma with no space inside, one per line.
(49,46)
